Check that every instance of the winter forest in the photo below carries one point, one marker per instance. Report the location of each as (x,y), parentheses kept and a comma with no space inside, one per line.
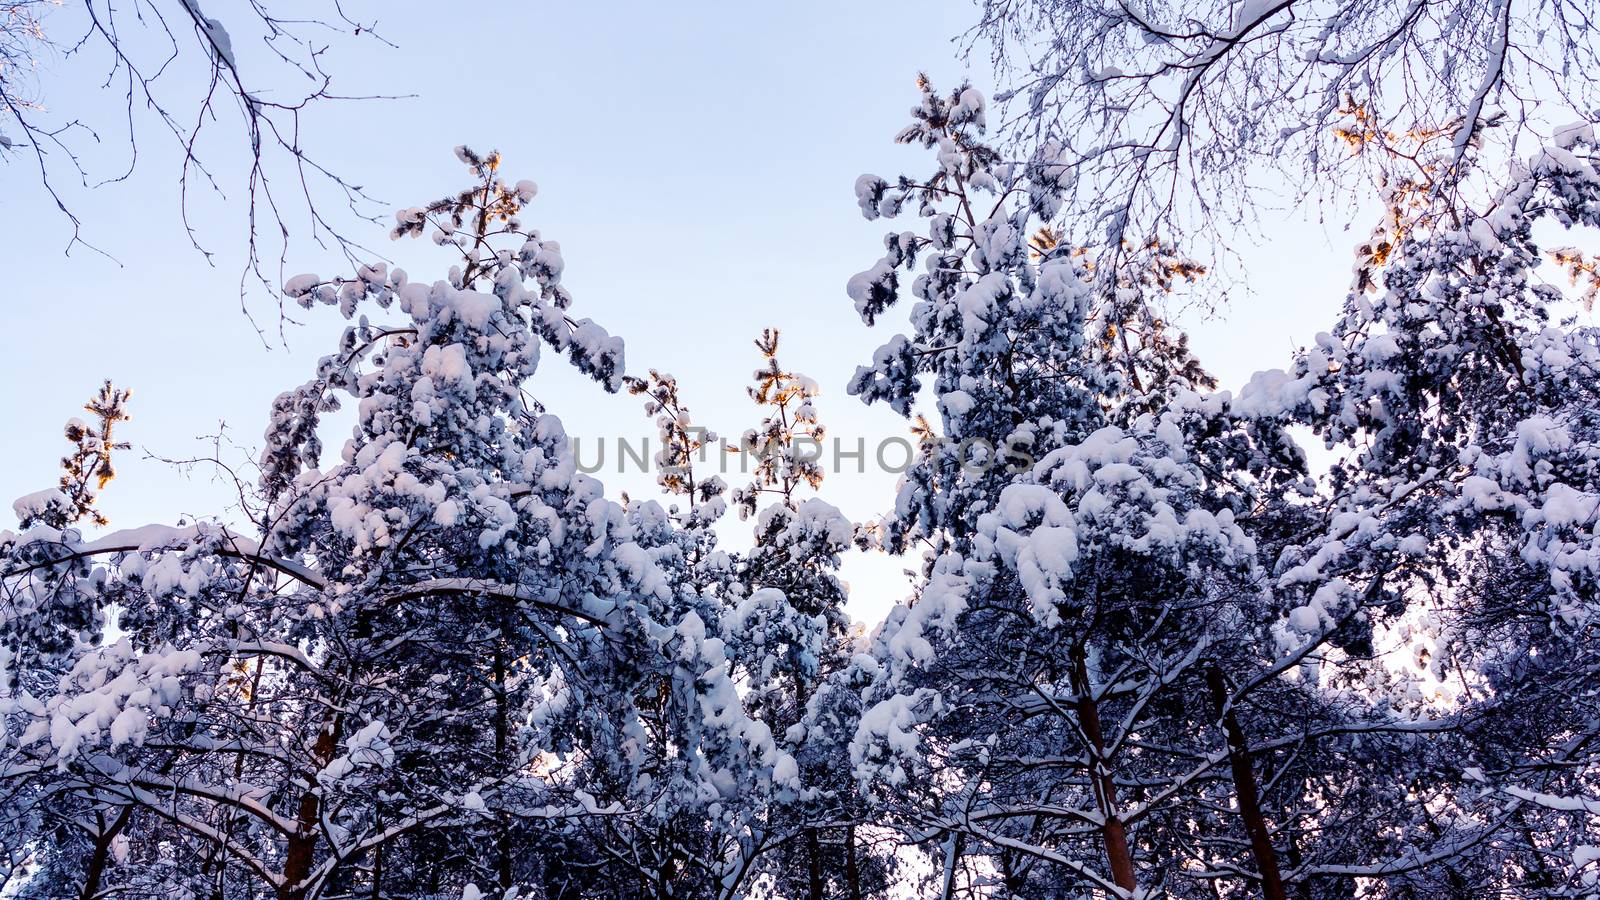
(1328,631)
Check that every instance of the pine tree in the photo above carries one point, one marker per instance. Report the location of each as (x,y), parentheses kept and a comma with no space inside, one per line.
(89,831)
(432,660)
(774,628)
(1148,651)
(1459,523)
(792,630)
(1086,691)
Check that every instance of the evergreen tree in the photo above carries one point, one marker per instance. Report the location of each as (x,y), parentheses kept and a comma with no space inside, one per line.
(1149,649)
(441,649)
(1459,522)
(1098,684)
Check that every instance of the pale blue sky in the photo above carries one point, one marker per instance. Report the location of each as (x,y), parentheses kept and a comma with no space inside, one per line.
(694,160)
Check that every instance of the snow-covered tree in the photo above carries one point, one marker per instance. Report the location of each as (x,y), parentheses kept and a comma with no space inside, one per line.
(88,831)
(1149,648)
(1128,666)
(1184,118)
(437,651)
(1042,701)
(788,618)
(774,628)
(1459,522)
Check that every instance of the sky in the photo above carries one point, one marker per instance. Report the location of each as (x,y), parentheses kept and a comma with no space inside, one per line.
(696,162)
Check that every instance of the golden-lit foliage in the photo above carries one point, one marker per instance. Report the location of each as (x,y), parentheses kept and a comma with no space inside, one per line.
(790,419)
(1164,268)
(680,439)
(1154,266)
(88,469)
(484,211)
(1408,206)
(1409,183)
(1362,131)
(1043,241)
(1580,269)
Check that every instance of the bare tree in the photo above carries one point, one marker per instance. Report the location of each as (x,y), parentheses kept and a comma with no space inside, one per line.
(1176,118)
(182,74)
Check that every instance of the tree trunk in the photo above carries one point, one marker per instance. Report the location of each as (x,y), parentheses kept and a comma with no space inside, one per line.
(102,850)
(377,854)
(502,716)
(1113,834)
(377,873)
(952,855)
(814,883)
(1246,791)
(813,864)
(300,851)
(1302,888)
(852,867)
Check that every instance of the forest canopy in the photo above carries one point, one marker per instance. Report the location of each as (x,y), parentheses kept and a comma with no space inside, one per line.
(1331,634)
